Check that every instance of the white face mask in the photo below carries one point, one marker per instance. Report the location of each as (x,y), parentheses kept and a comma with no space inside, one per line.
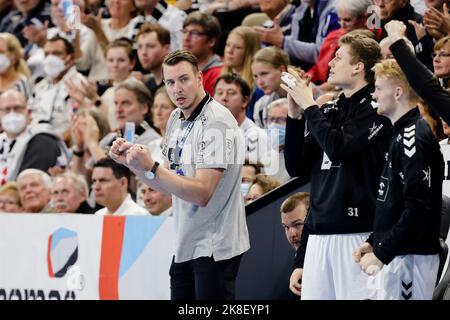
(53,66)
(5,62)
(245,187)
(14,123)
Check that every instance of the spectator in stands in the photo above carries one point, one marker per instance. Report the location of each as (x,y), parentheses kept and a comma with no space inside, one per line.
(89,55)
(342,145)
(120,61)
(311,23)
(157,203)
(234,93)
(158,11)
(14,72)
(9,198)
(276,128)
(403,11)
(241,45)
(419,77)
(441,61)
(437,18)
(405,243)
(109,29)
(132,101)
(6,6)
(198,183)
(87,125)
(293,215)
(352,15)
(90,58)
(110,185)
(200,33)
(161,110)
(386,52)
(260,187)
(25,144)
(280,13)
(153,44)
(249,172)
(268,64)
(69,194)
(50,102)
(27,12)
(35,191)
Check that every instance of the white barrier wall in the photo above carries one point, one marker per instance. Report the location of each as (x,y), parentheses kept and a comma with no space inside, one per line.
(68,256)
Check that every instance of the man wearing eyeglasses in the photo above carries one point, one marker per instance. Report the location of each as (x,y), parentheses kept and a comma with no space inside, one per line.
(24,145)
(200,34)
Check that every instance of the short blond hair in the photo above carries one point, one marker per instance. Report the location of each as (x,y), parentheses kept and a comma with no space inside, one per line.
(391,70)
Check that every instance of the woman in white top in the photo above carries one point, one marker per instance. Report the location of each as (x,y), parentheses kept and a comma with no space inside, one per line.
(14,72)
(120,62)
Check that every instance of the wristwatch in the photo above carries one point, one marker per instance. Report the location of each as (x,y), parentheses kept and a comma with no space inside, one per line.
(151,174)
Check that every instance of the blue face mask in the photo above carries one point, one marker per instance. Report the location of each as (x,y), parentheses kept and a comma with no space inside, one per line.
(277,135)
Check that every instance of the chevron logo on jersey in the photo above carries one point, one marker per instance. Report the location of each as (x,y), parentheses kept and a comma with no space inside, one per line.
(409,140)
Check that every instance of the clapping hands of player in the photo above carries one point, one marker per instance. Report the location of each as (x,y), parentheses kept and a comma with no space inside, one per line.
(300,96)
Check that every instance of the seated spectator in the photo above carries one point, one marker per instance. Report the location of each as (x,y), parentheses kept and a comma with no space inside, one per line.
(6,6)
(110,185)
(249,172)
(25,144)
(352,15)
(69,194)
(403,11)
(293,214)
(117,26)
(27,13)
(10,199)
(156,202)
(133,101)
(234,93)
(261,186)
(159,11)
(90,58)
(161,110)
(35,191)
(386,52)
(267,66)
(50,102)
(441,61)
(200,33)
(436,18)
(86,124)
(241,45)
(14,72)
(311,22)
(120,61)
(276,126)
